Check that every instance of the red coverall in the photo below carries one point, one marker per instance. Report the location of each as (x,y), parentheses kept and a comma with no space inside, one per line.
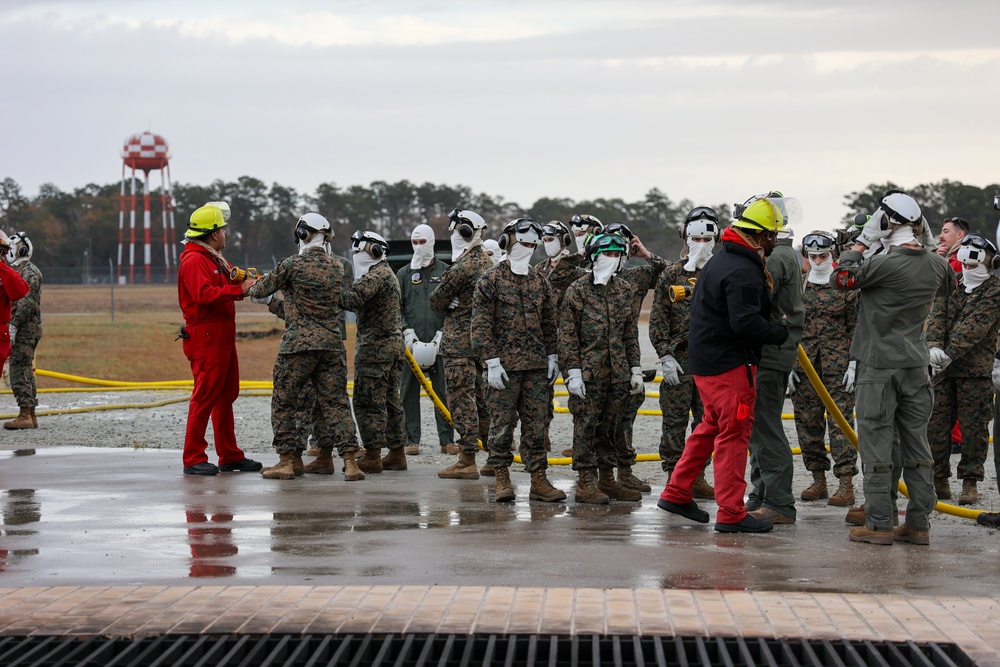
(206,297)
(14,288)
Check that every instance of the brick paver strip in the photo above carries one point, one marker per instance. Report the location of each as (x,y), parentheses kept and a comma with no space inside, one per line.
(972,623)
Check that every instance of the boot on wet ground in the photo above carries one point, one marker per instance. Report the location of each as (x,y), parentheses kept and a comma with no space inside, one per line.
(394,460)
(942,488)
(817,490)
(450,448)
(281,470)
(370,462)
(464,468)
(412,449)
(323,465)
(21,421)
(630,481)
(702,489)
(607,484)
(487,470)
(542,489)
(587,491)
(906,534)
(504,488)
(866,534)
(313,451)
(970,494)
(352,473)
(844,497)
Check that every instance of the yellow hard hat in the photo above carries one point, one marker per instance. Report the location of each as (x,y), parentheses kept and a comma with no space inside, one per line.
(204,221)
(761,215)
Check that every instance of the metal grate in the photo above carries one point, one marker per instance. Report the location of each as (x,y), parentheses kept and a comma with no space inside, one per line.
(420,650)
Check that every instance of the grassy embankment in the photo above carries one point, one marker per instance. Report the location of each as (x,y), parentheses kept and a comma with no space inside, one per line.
(80,338)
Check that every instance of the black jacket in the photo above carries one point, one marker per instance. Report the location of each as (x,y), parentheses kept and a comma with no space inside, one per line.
(730,308)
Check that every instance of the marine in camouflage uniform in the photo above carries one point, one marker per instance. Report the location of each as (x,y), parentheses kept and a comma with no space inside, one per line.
(668,331)
(311,348)
(514,321)
(831,317)
(26,318)
(463,367)
(598,336)
(378,364)
(965,326)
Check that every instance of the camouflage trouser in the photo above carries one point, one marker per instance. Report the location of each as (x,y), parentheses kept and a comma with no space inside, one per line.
(523,398)
(624,453)
(467,391)
(969,401)
(811,424)
(327,370)
(409,390)
(595,419)
(377,405)
(678,403)
(22,375)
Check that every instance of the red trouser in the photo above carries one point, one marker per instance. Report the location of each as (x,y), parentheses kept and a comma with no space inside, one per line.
(211,349)
(725,428)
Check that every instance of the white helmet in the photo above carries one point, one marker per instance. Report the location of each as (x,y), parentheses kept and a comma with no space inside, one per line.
(900,208)
(425,354)
(370,242)
(467,223)
(21,248)
(975,250)
(312,223)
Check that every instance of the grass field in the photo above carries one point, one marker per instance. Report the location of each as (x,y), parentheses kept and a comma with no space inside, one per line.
(80,337)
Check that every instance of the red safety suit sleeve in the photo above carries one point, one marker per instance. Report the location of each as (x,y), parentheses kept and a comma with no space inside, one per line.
(14,286)
(197,278)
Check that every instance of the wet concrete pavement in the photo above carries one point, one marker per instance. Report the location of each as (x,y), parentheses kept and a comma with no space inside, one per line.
(80,516)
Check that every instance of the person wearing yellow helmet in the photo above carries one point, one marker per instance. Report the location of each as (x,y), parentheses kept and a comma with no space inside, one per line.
(12,288)
(206,294)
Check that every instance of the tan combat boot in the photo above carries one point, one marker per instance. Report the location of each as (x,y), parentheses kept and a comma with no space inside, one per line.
(504,488)
(487,470)
(451,448)
(22,420)
(856,516)
(34,419)
(844,497)
(370,461)
(568,452)
(702,489)
(630,481)
(323,465)
(394,460)
(606,484)
(313,451)
(464,468)
(970,494)
(817,489)
(942,488)
(587,491)
(298,467)
(542,489)
(352,473)
(282,470)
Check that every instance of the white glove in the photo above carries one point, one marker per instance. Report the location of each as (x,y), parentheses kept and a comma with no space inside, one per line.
(495,374)
(671,370)
(437,339)
(409,338)
(996,374)
(553,368)
(575,384)
(849,376)
(263,299)
(454,304)
(638,386)
(939,360)
(793,379)
(873,230)
(13,332)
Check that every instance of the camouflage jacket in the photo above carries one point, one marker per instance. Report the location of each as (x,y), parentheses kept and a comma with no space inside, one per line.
(375,300)
(830,319)
(26,312)
(668,321)
(597,332)
(965,326)
(642,279)
(513,318)
(565,272)
(277,306)
(311,283)
(459,282)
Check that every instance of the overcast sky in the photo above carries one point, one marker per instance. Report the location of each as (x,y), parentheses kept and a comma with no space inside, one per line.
(712,101)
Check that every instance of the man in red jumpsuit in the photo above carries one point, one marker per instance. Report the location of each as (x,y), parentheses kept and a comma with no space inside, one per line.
(206,296)
(14,288)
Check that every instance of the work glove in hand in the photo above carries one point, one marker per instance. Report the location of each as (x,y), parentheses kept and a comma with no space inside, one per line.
(495,374)
(553,368)
(793,379)
(873,230)
(409,338)
(264,299)
(996,375)
(638,386)
(574,383)
(939,360)
(849,376)
(671,370)
(454,304)
(437,339)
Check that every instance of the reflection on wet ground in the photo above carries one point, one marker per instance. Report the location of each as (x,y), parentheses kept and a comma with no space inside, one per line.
(97,516)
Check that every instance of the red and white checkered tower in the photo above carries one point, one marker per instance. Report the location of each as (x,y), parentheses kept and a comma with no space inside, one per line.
(147,151)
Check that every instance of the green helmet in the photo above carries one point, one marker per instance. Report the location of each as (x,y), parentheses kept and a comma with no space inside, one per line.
(598,243)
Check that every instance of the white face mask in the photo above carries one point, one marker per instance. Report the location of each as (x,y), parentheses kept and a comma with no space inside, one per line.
(580,238)
(519,257)
(900,235)
(423,254)
(973,277)
(458,245)
(553,248)
(698,254)
(819,274)
(317,240)
(604,268)
(363,262)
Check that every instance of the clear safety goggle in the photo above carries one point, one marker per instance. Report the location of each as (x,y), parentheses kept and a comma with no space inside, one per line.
(817,241)
(702,213)
(977,241)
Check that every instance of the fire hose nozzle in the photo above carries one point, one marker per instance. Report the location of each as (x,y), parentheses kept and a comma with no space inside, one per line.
(239,275)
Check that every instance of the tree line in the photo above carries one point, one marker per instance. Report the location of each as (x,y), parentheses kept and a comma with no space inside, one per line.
(70,229)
